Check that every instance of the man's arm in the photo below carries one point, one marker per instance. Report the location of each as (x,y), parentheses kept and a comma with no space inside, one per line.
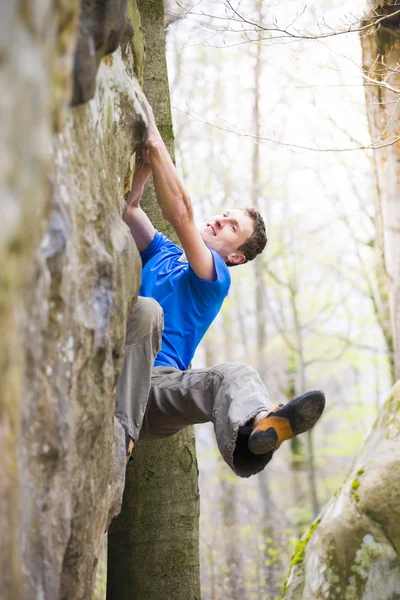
(138,222)
(176,205)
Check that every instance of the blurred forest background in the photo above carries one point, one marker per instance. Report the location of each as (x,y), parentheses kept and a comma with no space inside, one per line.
(278,121)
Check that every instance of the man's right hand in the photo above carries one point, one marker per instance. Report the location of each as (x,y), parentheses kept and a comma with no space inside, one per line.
(175,203)
(154,135)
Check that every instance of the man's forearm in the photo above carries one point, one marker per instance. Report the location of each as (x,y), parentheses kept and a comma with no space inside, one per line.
(140,176)
(171,194)
(135,195)
(141,227)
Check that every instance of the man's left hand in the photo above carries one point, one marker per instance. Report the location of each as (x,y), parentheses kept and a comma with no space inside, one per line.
(142,169)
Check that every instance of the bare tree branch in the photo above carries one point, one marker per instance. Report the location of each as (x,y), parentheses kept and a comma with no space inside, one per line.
(291,146)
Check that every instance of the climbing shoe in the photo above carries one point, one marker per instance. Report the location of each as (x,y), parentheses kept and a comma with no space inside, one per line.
(286,421)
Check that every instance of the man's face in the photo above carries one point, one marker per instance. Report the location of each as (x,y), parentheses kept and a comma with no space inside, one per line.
(226,232)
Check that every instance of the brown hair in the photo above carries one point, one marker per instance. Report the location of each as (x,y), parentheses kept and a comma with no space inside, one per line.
(256,243)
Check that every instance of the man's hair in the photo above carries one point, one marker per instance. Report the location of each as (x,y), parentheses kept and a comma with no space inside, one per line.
(256,243)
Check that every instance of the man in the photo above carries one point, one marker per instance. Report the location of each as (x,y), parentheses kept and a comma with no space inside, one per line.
(190,287)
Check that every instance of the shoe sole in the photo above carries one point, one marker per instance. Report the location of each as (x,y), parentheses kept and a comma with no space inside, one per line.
(272,431)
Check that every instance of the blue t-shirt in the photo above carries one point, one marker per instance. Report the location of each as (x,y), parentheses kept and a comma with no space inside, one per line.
(190,304)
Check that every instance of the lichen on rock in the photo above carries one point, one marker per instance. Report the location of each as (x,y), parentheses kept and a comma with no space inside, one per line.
(374,562)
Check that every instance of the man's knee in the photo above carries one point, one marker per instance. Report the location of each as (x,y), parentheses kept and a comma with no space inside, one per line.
(146,318)
(150,312)
(240,373)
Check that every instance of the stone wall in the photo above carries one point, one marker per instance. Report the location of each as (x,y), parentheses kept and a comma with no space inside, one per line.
(70,272)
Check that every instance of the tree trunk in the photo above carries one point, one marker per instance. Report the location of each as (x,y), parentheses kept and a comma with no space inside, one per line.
(297,462)
(381,55)
(233,580)
(268,525)
(302,386)
(153,544)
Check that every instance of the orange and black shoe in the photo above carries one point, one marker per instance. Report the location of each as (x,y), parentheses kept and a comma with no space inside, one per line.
(286,421)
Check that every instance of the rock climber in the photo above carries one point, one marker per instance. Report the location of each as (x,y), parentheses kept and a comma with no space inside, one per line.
(182,291)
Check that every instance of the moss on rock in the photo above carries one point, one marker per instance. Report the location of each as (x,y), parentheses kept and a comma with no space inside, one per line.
(298,555)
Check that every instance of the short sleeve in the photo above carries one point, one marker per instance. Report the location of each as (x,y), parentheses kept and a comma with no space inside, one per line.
(208,292)
(158,241)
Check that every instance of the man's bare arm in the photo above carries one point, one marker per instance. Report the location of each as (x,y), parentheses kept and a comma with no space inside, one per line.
(141,227)
(176,205)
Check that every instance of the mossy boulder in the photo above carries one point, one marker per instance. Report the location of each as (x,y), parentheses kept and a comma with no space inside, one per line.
(351,552)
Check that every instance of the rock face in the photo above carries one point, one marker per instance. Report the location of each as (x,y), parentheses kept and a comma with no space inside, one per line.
(102,24)
(352,551)
(70,272)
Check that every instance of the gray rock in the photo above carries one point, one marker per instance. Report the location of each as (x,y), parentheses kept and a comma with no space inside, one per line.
(102,25)
(70,273)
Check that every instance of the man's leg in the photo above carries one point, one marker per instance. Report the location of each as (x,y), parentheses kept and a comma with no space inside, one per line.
(143,341)
(230,395)
(233,397)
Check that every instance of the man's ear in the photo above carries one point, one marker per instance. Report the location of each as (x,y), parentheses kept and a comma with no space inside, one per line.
(236,259)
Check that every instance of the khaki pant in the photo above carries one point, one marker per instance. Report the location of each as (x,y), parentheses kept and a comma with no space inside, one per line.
(157,402)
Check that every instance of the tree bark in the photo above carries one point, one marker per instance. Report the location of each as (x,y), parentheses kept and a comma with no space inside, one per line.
(297,462)
(302,386)
(381,55)
(154,543)
(233,580)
